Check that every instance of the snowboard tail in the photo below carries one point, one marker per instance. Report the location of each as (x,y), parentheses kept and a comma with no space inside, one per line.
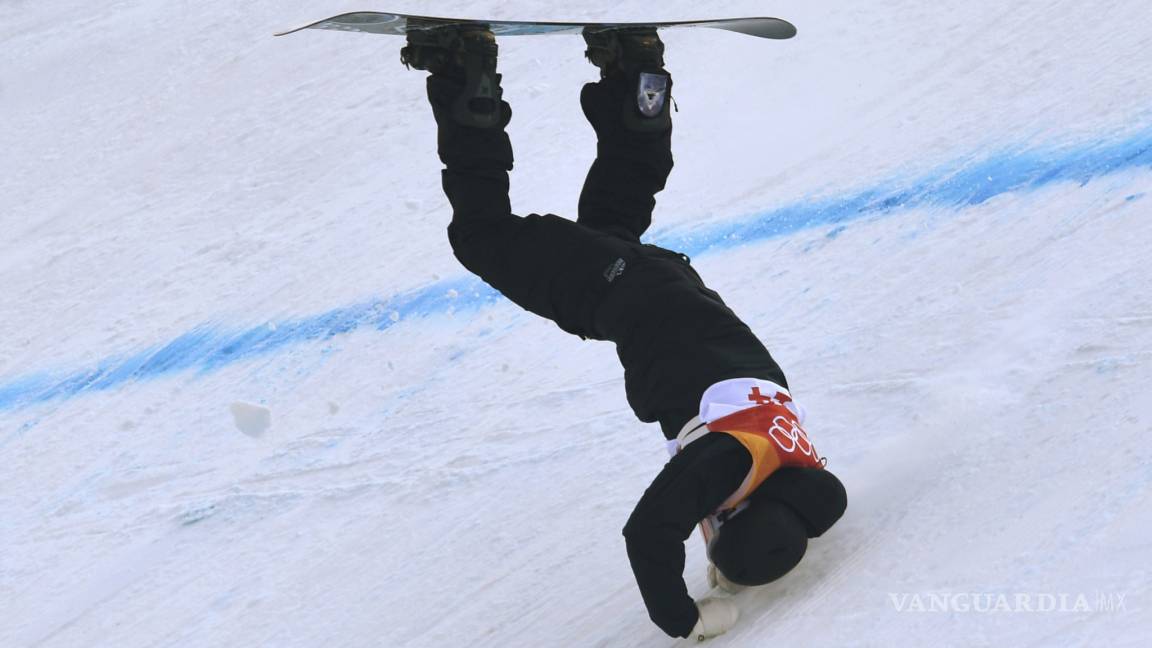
(373,22)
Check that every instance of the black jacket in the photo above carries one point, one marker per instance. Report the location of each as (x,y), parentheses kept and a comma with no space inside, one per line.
(691,487)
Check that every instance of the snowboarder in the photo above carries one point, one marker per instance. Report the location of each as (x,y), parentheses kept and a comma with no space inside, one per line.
(742,466)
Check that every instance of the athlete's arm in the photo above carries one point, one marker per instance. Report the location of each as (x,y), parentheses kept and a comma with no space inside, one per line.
(688,489)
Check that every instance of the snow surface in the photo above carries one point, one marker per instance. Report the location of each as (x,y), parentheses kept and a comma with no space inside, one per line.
(249,398)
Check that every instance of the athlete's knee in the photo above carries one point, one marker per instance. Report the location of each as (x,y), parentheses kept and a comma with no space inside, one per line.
(473,241)
(485,241)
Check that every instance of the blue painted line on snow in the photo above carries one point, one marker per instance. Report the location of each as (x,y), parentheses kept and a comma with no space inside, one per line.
(954,186)
(210,347)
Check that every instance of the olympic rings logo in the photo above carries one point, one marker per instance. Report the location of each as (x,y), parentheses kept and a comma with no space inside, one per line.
(790,437)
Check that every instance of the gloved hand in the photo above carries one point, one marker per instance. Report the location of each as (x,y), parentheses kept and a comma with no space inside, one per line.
(716,578)
(717,616)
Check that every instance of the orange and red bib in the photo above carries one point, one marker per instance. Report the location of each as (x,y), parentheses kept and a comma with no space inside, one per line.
(762,416)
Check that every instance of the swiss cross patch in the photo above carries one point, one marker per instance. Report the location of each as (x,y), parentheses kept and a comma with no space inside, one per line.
(753,406)
(760,399)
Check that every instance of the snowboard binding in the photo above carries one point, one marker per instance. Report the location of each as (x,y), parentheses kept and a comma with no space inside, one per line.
(465,54)
(624,52)
(634,56)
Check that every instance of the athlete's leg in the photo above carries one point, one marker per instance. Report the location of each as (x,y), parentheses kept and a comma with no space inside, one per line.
(548,265)
(629,110)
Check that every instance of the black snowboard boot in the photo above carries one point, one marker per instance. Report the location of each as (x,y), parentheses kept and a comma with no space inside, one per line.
(634,57)
(465,55)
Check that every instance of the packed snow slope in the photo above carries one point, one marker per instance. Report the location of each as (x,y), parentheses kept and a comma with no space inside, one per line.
(249,398)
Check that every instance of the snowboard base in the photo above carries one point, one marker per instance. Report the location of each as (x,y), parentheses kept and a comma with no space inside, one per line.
(373,22)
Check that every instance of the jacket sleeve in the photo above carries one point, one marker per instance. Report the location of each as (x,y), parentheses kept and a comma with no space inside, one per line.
(689,488)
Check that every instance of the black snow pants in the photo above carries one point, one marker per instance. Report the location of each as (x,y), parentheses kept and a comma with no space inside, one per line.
(593,277)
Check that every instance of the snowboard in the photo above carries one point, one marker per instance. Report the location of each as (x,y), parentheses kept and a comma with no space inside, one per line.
(373,22)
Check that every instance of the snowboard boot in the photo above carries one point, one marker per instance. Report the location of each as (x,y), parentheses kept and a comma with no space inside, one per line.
(465,55)
(634,57)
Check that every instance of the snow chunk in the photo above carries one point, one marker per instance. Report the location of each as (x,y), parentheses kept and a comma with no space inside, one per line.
(253,420)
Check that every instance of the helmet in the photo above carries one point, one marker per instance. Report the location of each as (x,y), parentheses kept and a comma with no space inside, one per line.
(766,539)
